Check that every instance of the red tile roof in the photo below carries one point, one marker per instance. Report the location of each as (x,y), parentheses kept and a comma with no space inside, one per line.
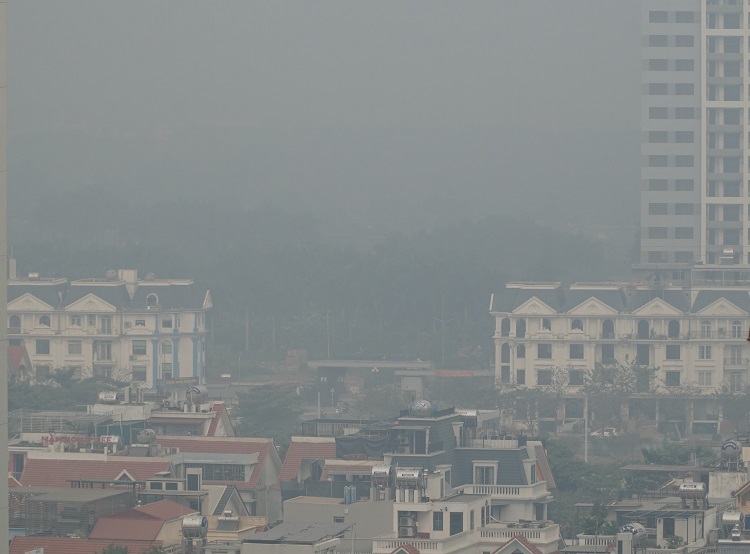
(520,539)
(57,545)
(141,523)
(218,408)
(305,448)
(225,445)
(59,472)
(408,548)
(17,356)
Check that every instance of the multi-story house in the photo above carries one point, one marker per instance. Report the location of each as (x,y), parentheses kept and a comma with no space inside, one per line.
(689,340)
(141,330)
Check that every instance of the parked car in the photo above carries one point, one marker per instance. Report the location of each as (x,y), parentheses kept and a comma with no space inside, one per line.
(604,433)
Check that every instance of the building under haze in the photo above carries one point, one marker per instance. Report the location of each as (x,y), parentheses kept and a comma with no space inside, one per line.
(145,331)
(695,177)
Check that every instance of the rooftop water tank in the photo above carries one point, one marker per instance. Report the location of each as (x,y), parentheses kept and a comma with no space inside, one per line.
(195,527)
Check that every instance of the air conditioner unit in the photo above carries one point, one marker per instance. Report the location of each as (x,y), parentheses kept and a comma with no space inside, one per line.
(406,532)
(403,440)
(405,521)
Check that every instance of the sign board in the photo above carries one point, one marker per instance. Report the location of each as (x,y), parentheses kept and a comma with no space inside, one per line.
(454,373)
(51,438)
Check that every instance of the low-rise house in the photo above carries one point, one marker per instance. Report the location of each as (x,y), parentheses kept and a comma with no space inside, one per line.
(160,521)
(303,463)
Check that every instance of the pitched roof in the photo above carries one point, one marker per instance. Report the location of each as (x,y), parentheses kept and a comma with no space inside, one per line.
(172,295)
(58,472)
(18,356)
(113,294)
(640,297)
(518,539)
(707,297)
(59,545)
(305,448)
(407,548)
(139,523)
(13,482)
(218,408)
(46,292)
(543,464)
(225,445)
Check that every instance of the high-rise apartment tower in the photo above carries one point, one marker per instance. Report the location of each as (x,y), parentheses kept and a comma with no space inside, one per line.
(695,137)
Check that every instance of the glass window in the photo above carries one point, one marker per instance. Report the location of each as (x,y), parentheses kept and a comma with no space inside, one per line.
(672,378)
(139,348)
(657,16)
(544,351)
(74,347)
(456,523)
(658,89)
(575,377)
(704,378)
(140,322)
(576,352)
(437,520)
(139,373)
(484,475)
(544,377)
(673,352)
(75,321)
(42,346)
(657,184)
(704,352)
(658,64)
(44,321)
(166,348)
(521,376)
(166,322)
(683,233)
(657,232)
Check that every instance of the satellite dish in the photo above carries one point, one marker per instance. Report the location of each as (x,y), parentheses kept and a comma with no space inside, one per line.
(150,276)
(110,274)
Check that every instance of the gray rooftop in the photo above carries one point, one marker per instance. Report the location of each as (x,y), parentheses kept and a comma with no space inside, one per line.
(58,494)
(300,533)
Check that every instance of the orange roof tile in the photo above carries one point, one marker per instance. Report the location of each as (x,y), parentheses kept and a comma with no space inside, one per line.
(218,408)
(521,539)
(58,545)
(305,448)
(59,472)
(141,522)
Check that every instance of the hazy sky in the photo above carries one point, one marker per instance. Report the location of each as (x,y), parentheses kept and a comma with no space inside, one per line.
(425,108)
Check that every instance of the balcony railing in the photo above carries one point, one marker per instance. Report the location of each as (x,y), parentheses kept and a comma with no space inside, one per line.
(535,531)
(742,363)
(537,490)
(389,543)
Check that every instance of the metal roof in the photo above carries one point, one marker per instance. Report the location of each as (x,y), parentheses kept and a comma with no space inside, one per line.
(300,533)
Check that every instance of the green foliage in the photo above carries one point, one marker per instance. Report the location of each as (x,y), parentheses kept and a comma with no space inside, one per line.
(674,542)
(302,289)
(269,411)
(62,392)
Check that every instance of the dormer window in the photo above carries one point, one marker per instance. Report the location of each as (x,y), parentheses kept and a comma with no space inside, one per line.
(484,473)
(576,325)
(152,301)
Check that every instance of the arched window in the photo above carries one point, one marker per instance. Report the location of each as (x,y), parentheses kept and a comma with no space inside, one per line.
(576,325)
(643,329)
(546,324)
(44,321)
(737,330)
(521,328)
(705,329)
(505,327)
(608,329)
(14,322)
(505,353)
(673,329)
(152,300)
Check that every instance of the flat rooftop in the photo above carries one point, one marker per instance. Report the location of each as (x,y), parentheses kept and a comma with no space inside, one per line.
(299,533)
(462,498)
(314,500)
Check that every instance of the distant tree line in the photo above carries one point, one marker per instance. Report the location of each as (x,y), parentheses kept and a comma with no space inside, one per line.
(282,280)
